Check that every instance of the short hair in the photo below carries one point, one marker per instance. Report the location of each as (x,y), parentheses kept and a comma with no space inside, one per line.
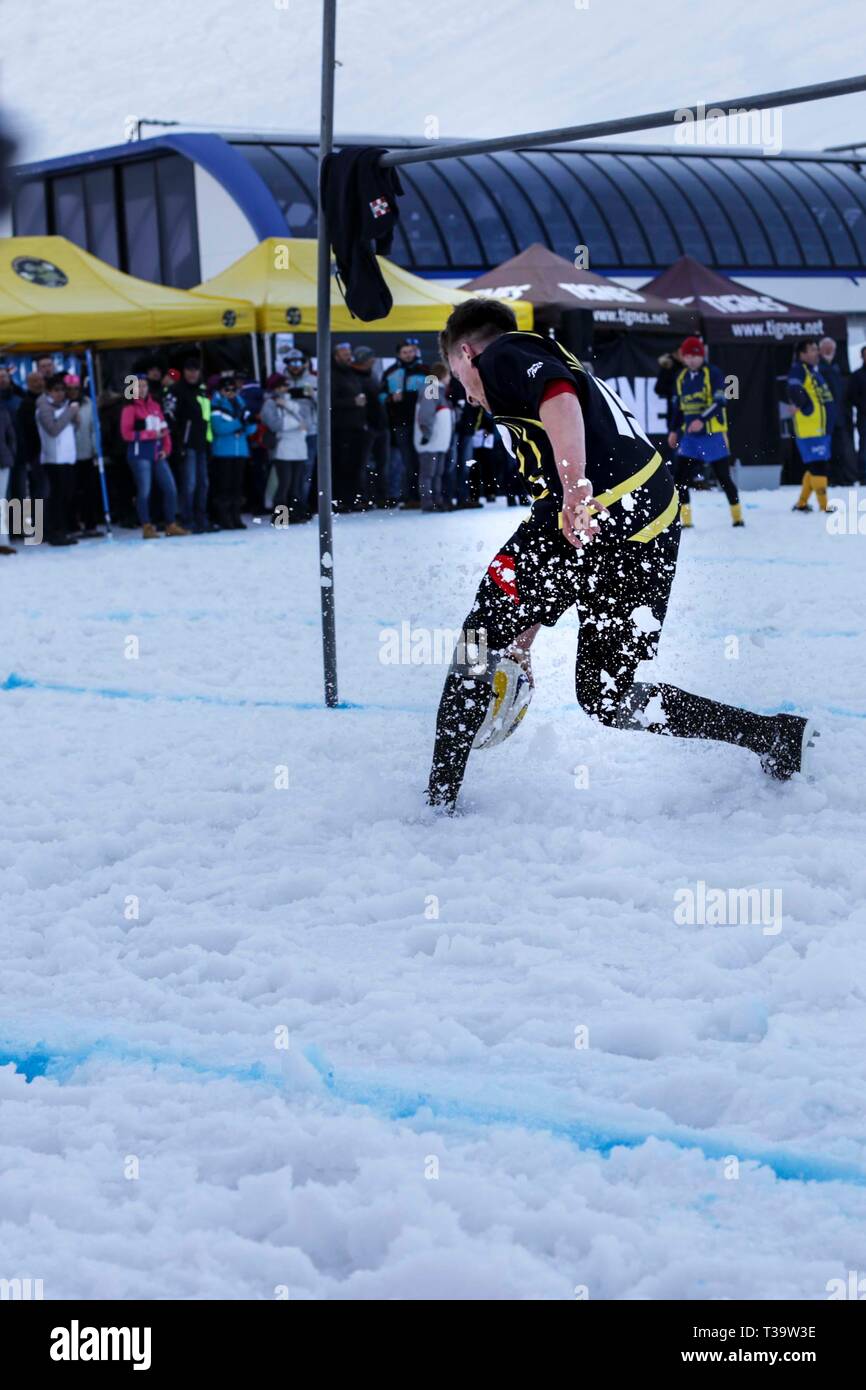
(477,318)
(58,379)
(440,370)
(803,343)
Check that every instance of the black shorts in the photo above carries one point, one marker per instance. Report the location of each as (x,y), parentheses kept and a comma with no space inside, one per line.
(619,587)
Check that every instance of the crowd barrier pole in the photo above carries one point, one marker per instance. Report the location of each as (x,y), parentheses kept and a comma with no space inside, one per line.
(97,437)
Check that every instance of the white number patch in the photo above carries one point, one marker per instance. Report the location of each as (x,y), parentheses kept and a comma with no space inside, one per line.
(626,424)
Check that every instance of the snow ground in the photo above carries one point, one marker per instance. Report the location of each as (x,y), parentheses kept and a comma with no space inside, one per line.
(413,1038)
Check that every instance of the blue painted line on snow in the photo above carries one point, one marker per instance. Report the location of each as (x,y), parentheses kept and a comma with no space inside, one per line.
(16,682)
(60,1065)
(397,1103)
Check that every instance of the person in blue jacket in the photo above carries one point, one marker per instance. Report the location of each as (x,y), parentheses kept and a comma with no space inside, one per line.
(699,427)
(233,423)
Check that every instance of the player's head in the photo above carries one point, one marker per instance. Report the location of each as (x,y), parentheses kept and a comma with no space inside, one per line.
(807,351)
(693,352)
(470,328)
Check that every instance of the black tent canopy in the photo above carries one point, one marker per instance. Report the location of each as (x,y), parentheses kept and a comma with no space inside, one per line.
(751,337)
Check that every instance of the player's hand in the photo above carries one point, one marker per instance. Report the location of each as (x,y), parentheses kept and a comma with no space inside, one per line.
(696,427)
(523,657)
(673,439)
(580,513)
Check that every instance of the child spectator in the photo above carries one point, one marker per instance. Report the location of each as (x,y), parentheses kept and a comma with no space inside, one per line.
(145,429)
(434,423)
(284,418)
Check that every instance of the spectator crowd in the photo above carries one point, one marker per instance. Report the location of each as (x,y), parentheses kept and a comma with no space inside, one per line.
(184,456)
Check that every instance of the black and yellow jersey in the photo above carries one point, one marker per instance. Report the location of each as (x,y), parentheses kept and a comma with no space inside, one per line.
(627,473)
(700,395)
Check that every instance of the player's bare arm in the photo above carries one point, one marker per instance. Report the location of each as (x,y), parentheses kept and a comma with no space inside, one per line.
(562,419)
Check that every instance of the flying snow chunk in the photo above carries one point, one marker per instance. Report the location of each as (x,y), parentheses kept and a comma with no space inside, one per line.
(644,619)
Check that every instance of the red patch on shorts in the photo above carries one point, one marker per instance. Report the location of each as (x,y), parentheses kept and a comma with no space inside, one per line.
(502,572)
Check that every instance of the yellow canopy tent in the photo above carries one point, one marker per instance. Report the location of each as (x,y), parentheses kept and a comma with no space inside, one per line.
(53,294)
(279,277)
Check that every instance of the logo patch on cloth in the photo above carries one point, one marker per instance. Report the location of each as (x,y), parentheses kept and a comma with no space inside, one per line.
(380,206)
(502,572)
(536,367)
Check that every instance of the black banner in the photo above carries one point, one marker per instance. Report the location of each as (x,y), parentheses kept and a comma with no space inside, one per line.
(56,1341)
(630,364)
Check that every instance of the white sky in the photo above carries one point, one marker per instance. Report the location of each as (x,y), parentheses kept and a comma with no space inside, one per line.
(71,74)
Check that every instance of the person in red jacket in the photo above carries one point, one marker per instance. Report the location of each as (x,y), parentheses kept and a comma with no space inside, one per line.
(148,445)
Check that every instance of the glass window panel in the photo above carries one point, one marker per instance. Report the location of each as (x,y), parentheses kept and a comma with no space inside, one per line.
(558,228)
(590,227)
(464,248)
(687,177)
(634,177)
(766,209)
(848,189)
(142,223)
(812,187)
(67,195)
(297,201)
(177,220)
(419,226)
(486,218)
(30,213)
(753,244)
(101,215)
(515,208)
(594,171)
(691,232)
(806,228)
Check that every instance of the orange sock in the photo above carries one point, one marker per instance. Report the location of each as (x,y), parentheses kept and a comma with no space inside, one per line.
(806,489)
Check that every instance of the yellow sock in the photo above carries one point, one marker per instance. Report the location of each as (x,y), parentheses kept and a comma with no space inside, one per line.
(806,489)
(820,486)
(686,514)
(736,513)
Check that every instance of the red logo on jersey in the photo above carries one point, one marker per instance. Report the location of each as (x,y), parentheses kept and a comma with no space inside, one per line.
(502,572)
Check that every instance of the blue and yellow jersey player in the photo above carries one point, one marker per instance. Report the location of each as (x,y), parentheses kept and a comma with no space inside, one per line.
(699,427)
(814,408)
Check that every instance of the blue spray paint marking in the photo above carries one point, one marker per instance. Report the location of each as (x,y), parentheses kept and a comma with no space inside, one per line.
(16,682)
(396,1103)
(399,1104)
(59,1065)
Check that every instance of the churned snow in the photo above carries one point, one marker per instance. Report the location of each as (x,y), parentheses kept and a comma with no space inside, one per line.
(276,1030)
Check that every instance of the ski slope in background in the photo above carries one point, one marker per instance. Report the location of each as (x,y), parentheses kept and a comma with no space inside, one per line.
(431,1130)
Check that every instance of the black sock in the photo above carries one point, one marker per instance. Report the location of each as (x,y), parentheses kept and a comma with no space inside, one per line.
(461,713)
(694,716)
